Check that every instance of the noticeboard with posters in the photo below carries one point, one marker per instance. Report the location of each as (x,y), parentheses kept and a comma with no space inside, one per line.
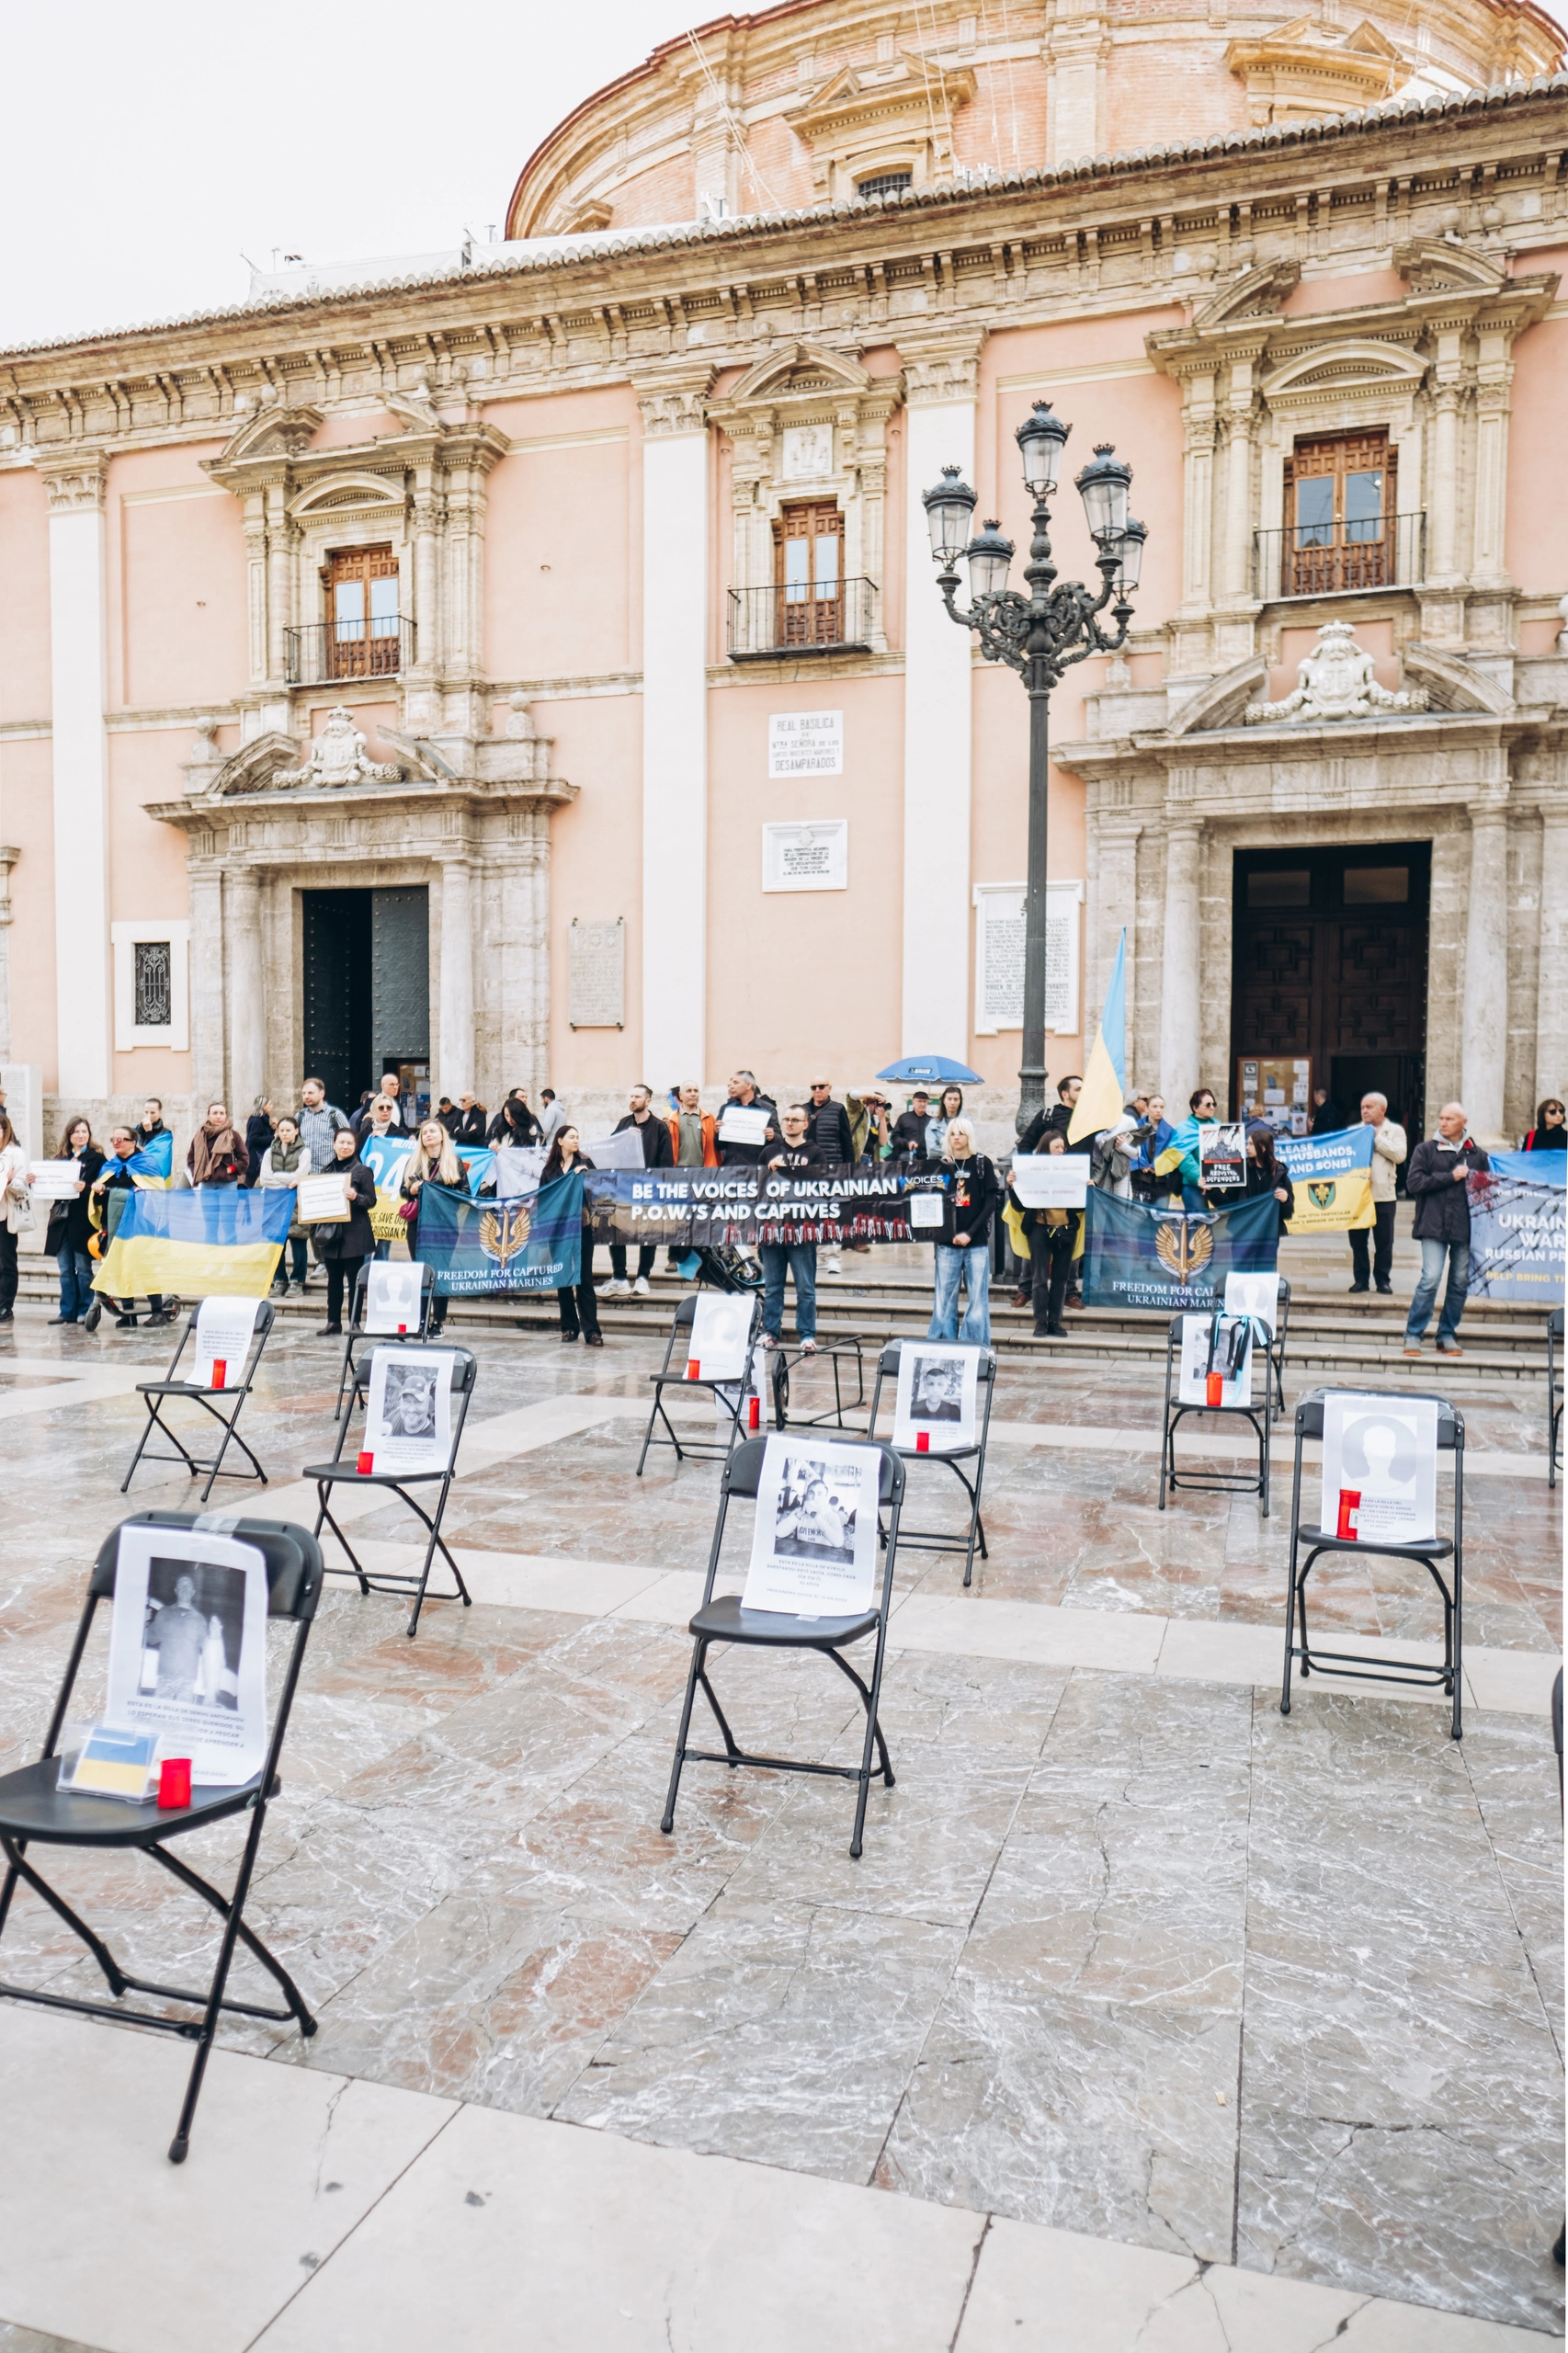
(1276,1087)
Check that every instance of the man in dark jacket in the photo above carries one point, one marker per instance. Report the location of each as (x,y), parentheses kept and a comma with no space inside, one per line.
(745,1096)
(467,1124)
(908,1134)
(1036,1138)
(1436,1182)
(797,1155)
(827,1127)
(657,1153)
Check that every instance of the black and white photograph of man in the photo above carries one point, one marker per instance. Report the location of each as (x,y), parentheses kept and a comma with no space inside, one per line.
(410,1401)
(195,1626)
(937,1390)
(813,1520)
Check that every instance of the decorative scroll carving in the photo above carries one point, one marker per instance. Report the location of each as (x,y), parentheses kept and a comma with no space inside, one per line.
(1336,682)
(337,757)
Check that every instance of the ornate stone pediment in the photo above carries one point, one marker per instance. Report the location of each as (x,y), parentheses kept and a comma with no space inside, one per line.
(1221,702)
(1433,266)
(339,493)
(1346,365)
(275,430)
(1335,681)
(1256,294)
(887,114)
(798,372)
(255,767)
(1311,68)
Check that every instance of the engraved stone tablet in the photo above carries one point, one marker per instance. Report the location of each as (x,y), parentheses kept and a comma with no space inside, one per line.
(806,857)
(597,975)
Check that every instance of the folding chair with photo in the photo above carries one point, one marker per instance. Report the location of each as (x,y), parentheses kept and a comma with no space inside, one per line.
(937,1539)
(159,1393)
(1355,1666)
(342,1472)
(35,1813)
(1553,1396)
(1219,1482)
(724,1618)
(419,1336)
(672,1374)
(836,1354)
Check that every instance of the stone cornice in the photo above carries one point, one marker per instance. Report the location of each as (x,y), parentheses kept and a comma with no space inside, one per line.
(306,810)
(74,480)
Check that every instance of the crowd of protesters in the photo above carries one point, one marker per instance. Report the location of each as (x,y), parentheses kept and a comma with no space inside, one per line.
(1141,1156)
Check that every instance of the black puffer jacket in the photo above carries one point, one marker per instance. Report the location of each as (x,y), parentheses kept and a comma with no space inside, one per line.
(1442,1207)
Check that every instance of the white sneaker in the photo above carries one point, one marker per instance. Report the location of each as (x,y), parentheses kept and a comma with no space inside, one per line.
(615,1289)
(643,1287)
(834,1265)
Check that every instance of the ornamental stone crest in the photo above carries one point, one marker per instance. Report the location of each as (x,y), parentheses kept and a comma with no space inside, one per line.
(337,757)
(1335,681)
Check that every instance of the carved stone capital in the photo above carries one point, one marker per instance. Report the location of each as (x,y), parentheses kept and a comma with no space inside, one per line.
(675,401)
(74,483)
(941,368)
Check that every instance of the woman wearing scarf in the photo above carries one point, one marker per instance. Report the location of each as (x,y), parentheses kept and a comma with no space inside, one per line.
(970,1204)
(217,1153)
(579,1309)
(1183,1155)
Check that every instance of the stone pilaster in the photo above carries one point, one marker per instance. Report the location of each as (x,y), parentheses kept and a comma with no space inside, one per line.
(1486,970)
(246,988)
(1180,1016)
(79,696)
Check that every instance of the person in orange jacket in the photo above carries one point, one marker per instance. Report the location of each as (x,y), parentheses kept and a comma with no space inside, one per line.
(692,1137)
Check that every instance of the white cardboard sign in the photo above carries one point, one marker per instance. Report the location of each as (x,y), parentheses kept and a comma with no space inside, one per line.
(743,1124)
(814,1545)
(1257,1295)
(1051,1180)
(408,1416)
(392,1295)
(188,1648)
(224,1329)
(1196,1339)
(1379,1467)
(322,1201)
(721,1326)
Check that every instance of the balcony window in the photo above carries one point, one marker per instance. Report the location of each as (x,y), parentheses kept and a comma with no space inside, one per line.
(363,636)
(808,574)
(1340,505)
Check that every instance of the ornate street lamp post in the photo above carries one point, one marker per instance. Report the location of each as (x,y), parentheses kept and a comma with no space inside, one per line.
(1040,636)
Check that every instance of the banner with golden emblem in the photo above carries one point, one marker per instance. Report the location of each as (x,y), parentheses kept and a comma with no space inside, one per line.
(1173,1259)
(531,1244)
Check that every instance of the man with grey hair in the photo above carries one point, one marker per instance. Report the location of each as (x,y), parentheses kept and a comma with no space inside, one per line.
(1388,1148)
(1436,1182)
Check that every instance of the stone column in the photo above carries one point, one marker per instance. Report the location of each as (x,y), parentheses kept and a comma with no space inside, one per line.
(675,724)
(282,539)
(1179,1033)
(1551,986)
(204,884)
(1238,477)
(248,993)
(1198,493)
(1486,971)
(941,382)
(9,857)
(78,693)
(455,1069)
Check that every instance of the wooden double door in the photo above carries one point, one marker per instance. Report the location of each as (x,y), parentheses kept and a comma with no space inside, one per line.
(1329,962)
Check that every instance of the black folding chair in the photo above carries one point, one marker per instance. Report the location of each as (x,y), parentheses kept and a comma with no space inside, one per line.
(1219,1482)
(1277,1344)
(672,1374)
(35,1813)
(937,1539)
(341,1473)
(234,1394)
(419,1336)
(1354,1665)
(838,1354)
(1554,1397)
(725,1618)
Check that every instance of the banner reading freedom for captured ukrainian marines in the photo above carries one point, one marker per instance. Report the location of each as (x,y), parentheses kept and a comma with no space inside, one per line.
(1171,1259)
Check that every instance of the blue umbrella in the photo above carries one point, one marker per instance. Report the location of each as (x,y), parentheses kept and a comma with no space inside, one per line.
(935,1070)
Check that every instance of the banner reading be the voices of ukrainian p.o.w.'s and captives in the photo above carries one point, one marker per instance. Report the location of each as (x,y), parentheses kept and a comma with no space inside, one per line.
(1173,1259)
(705,1208)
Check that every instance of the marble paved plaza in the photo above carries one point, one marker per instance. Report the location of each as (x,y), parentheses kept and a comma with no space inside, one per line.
(1149,2018)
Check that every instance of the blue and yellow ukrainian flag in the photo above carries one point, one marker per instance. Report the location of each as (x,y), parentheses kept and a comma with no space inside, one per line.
(218,1238)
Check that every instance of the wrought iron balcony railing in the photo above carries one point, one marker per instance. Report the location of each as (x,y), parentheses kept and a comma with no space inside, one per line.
(1339,558)
(326,651)
(769,624)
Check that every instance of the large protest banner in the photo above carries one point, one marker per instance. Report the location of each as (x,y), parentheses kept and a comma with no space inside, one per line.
(216,1238)
(708,1208)
(386,1158)
(529,1245)
(1516,1228)
(1333,1177)
(1171,1259)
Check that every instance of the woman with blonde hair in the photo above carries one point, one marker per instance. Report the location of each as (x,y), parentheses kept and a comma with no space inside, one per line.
(972,1195)
(434,1161)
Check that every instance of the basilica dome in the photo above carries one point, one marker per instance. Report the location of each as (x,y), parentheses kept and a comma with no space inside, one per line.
(825,101)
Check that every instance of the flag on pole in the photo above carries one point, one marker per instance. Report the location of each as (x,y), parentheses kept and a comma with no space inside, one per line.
(1105,1081)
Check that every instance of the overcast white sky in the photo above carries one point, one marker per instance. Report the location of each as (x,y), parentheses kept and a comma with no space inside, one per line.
(148,147)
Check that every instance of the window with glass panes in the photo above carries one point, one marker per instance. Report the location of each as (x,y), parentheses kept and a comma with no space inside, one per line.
(809,573)
(362,612)
(1339,498)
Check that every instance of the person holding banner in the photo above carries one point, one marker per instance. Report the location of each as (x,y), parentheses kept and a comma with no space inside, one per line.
(1052,1237)
(434,1161)
(1439,1183)
(579,1308)
(1388,1148)
(800,1155)
(343,1245)
(1265,1173)
(1549,1132)
(514,1123)
(1183,1155)
(111,1190)
(284,1162)
(968,1204)
(68,1232)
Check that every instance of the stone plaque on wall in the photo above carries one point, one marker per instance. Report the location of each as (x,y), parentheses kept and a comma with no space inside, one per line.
(805,742)
(806,857)
(999,956)
(596,985)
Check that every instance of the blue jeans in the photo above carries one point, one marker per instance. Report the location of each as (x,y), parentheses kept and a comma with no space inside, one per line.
(1432,1257)
(76,1282)
(800,1259)
(975,1266)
